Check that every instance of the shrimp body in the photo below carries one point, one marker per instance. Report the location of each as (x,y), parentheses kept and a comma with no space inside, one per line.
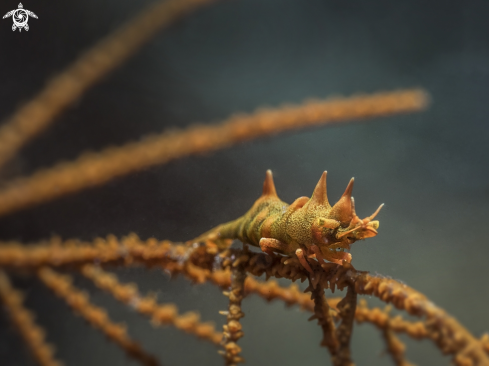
(308,228)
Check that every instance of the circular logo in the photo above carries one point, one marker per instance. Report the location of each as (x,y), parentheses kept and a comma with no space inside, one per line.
(20,17)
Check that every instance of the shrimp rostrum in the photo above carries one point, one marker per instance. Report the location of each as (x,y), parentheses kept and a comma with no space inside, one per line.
(308,228)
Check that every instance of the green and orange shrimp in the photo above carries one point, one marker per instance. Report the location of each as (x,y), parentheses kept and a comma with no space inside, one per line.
(308,228)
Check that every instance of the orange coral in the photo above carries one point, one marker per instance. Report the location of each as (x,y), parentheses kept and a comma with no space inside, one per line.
(70,84)
(198,264)
(147,305)
(97,317)
(92,169)
(323,314)
(233,329)
(347,308)
(23,319)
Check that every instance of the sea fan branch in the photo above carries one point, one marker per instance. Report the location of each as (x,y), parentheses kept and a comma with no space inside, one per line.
(70,84)
(94,169)
(347,308)
(198,264)
(233,329)
(62,286)
(395,347)
(23,319)
(159,313)
(325,320)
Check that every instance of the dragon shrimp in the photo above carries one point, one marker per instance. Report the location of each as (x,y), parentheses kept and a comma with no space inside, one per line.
(308,228)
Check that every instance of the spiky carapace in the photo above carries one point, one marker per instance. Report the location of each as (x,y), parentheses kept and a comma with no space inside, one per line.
(308,228)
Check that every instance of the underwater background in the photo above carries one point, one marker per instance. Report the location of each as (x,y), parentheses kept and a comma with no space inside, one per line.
(429,168)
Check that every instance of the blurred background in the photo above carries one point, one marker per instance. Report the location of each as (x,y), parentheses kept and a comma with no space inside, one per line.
(429,168)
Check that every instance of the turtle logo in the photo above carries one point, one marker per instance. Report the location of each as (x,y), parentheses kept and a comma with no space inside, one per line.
(20,17)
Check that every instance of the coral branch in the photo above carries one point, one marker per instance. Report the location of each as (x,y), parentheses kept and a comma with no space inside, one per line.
(291,295)
(97,168)
(485,342)
(449,335)
(347,308)
(395,347)
(55,253)
(198,264)
(271,290)
(23,319)
(70,84)
(381,319)
(97,317)
(325,320)
(159,313)
(387,325)
(232,329)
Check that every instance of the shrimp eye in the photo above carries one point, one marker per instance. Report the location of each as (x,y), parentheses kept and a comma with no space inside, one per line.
(374,224)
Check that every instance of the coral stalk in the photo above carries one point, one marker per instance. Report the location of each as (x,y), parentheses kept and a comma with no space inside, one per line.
(346,308)
(381,319)
(23,319)
(198,264)
(325,320)
(232,329)
(62,286)
(94,169)
(449,335)
(159,313)
(395,347)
